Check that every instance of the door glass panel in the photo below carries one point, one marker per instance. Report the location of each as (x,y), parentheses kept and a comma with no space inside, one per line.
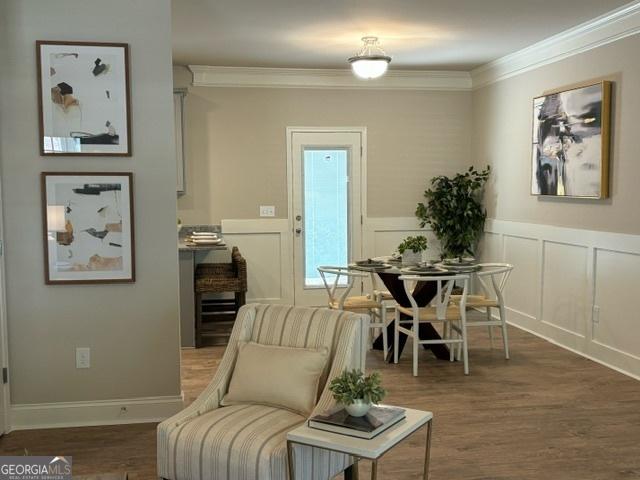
(326,211)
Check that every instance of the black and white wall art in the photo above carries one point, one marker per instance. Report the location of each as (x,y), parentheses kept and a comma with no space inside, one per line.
(571,142)
(84,98)
(88,227)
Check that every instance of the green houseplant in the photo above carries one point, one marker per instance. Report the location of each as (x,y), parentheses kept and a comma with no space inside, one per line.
(356,391)
(411,249)
(454,210)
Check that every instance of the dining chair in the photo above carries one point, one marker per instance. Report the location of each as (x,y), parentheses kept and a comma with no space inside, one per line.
(492,278)
(453,317)
(339,298)
(382,296)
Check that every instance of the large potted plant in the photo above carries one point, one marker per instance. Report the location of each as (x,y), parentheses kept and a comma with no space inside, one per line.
(356,391)
(454,211)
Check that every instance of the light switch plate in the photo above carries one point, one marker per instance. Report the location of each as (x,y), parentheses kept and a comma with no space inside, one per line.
(83,357)
(267,211)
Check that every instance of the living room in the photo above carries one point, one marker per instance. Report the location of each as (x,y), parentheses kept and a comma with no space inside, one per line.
(326,142)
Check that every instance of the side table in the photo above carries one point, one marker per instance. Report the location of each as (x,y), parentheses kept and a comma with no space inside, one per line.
(361,448)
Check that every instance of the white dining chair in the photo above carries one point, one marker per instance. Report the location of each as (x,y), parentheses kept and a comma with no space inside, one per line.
(492,279)
(339,298)
(382,296)
(453,317)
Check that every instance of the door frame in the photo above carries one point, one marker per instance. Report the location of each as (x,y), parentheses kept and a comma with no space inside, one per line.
(4,339)
(363,183)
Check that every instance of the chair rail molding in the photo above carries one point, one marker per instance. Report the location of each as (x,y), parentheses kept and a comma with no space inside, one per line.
(214,76)
(567,287)
(99,412)
(610,27)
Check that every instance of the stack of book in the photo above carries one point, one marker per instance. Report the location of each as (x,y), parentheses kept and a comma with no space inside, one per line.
(377,420)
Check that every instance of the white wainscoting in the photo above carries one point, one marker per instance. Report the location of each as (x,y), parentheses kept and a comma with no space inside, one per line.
(266,245)
(382,235)
(572,287)
(575,288)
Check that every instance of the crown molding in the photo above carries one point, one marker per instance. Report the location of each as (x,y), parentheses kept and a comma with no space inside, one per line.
(212,76)
(610,27)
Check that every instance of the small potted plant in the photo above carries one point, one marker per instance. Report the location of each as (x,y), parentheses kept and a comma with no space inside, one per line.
(411,249)
(357,392)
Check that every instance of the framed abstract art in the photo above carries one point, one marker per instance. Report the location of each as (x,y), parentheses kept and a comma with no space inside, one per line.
(571,142)
(88,227)
(83,93)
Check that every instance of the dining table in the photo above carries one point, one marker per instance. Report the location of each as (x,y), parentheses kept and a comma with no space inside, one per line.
(389,272)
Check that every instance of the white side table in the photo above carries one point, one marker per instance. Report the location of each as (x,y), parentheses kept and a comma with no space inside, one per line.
(361,448)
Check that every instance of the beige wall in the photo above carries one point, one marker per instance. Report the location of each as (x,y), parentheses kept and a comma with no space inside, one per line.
(132,330)
(502,138)
(236,144)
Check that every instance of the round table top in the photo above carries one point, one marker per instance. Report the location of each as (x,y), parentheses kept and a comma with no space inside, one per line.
(395,267)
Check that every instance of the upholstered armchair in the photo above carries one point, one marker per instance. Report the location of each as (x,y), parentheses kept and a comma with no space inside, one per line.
(248,441)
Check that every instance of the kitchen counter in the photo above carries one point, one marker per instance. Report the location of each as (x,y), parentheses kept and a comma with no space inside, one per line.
(188,257)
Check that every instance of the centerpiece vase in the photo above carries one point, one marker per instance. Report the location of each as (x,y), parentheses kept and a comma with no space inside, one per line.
(409,257)
(358,408)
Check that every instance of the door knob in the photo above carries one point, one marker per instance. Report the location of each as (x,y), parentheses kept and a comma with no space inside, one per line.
(298,217)
(298,231)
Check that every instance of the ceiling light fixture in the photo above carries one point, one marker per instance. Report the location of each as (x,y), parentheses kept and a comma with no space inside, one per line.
(371,61)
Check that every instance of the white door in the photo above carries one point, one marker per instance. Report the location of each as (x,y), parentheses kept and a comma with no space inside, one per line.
(326,206)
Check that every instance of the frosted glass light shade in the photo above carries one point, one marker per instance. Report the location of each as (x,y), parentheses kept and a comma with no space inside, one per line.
(369,68)
(371,61)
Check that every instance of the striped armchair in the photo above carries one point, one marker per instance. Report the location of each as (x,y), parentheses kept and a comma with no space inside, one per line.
(248,442)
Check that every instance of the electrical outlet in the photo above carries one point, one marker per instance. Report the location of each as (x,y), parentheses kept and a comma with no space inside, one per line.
(267,211)
(83,357)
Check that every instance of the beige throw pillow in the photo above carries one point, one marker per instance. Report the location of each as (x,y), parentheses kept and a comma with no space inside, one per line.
(284,377)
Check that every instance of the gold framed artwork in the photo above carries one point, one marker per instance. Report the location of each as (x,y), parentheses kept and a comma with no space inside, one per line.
(83,95)
(88,227)
(571,142)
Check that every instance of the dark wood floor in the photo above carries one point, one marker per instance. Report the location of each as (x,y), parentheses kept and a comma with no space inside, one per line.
(545,414)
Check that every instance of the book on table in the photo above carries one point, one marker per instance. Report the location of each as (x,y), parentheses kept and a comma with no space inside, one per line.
(377,420)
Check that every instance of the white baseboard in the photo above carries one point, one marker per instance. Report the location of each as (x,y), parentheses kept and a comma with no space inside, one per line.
(564,347)
(572,287)
(572,350)
(100,412)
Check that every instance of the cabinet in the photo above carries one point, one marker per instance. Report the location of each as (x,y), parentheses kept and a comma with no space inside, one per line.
(178,110)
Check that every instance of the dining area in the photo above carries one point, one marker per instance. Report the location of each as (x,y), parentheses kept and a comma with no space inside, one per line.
(432,303)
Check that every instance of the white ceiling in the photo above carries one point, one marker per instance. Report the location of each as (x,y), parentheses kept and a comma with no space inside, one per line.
(418,34)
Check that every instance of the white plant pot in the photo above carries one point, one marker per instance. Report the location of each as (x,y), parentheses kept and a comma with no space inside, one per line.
(358,408)
(409,257)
